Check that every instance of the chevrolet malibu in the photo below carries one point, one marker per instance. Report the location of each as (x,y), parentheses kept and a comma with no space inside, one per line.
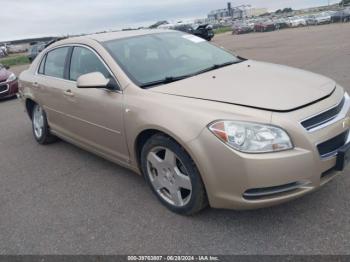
(203,126)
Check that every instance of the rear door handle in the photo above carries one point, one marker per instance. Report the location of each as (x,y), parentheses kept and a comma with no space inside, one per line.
(68,93)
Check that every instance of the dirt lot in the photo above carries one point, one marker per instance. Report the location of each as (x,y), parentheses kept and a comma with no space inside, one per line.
(321,49)
(62,200)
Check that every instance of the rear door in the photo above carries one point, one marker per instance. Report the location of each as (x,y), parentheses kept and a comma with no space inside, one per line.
(49,86)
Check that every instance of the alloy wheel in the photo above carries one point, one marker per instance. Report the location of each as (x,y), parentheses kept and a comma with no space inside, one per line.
(38,121)
(169,176)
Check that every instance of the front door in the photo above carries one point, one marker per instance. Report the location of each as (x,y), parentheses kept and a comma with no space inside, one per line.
(94,116)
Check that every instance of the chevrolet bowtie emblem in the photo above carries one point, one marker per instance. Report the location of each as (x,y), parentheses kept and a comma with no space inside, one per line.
(346,122)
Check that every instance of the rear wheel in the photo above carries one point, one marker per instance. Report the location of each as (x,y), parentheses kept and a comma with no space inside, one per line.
(172,175)
(41,129)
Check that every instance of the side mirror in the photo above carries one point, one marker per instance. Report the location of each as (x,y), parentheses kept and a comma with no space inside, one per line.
(92,80)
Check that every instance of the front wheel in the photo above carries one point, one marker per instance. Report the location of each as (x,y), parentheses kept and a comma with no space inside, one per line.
(172,175)
(40,126)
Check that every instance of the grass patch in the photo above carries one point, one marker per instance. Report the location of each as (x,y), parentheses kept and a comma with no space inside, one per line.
(223,30)
(14,60)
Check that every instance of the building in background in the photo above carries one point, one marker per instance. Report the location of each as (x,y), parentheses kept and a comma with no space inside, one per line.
(255,12)
(237,12)
(218,14)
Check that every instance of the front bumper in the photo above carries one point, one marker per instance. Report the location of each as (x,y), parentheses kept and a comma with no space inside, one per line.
(8,89)
(238,180)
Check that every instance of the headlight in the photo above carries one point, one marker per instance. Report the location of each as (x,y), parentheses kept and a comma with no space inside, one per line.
(11,78)
(251,137)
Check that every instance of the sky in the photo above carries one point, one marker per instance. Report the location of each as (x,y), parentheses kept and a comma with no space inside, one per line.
(34,18)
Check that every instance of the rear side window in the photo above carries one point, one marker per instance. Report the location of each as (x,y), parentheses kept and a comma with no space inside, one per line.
(55,62)
(42,64)
(85,61)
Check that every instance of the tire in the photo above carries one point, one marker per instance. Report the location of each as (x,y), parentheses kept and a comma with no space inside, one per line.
(41,130)
(172,175)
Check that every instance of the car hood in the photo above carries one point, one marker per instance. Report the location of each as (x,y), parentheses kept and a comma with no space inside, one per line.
(4,74)
(254,84)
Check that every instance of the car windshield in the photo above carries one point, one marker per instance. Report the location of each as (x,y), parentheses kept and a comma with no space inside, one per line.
(161,58)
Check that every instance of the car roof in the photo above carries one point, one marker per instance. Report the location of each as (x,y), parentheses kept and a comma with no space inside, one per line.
(103,37)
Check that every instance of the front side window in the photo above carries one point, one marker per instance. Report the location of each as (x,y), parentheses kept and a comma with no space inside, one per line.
(150,58)
(55,62)
(84,61)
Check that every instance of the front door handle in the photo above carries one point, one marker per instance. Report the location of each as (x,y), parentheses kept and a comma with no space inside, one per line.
(68,93)
(35,84)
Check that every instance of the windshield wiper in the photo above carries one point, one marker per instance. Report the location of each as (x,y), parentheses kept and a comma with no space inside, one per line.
(216,66)
(166,80)
(170,79)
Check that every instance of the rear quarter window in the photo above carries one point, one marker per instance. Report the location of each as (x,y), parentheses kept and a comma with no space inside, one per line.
(55,62)
(41,67)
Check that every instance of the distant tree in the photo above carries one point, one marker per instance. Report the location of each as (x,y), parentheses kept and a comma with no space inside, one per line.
(345,2)
(287,10)
(159,23)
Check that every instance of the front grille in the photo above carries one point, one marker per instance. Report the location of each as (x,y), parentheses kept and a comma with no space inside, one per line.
(3,88)
(323,117)
(330,147)
(258,193)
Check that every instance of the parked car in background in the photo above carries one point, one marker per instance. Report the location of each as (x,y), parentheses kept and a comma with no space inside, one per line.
(311,20)
(242,28)
(250,23)
(341,16)
(8,82)
(323,18)
(296,21)
(281,23)
(34,50)
(264,26)
(2,53)
(204,31)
